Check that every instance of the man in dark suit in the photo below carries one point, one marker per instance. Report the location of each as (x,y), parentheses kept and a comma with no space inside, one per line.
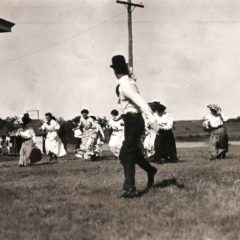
(133,105)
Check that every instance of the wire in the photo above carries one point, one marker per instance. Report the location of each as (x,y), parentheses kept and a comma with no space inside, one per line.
(60,41)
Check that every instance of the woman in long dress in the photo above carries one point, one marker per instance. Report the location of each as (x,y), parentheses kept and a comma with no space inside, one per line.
(164,145)
(53,144)
(28,141)
(77,133)
(97,139)
(116,126)
(85,125)
(214,124)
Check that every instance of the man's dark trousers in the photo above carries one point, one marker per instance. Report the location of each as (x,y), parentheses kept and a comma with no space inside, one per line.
(130,153)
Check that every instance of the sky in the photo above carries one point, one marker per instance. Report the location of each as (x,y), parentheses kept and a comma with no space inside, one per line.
(57,57)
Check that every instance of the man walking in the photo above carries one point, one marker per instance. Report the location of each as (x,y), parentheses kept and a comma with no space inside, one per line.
(133,105)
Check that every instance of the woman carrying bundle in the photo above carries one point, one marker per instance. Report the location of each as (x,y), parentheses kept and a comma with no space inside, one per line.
(28,141)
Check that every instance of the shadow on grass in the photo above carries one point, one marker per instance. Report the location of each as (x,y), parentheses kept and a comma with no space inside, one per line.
(170,162)
(163,184)
(42,163)
(167,183)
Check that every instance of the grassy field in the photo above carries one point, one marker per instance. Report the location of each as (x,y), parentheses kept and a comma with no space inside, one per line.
(79,199)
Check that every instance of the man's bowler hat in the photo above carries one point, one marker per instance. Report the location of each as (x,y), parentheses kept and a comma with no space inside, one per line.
(118,61)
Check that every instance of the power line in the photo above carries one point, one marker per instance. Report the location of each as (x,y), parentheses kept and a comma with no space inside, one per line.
(60,41)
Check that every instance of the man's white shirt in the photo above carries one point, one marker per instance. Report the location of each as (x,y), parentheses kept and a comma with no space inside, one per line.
(130,99)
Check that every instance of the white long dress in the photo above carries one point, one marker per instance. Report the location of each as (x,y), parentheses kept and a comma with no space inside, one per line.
(148,142)
(117,137)
(53,143)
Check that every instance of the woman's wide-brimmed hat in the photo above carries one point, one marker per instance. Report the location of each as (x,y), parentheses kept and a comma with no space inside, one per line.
(157,106)
(214,107)
(118,61)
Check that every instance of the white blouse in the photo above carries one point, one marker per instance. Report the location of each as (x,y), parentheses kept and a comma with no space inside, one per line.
(27,134)
(211,121)
(116,125)
(86,123)
(165,121)
(130,99)
(51,128)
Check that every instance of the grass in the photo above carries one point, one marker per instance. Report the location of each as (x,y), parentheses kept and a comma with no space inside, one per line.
(78,199)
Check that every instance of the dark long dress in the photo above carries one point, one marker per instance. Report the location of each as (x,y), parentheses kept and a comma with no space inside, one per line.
(165,147)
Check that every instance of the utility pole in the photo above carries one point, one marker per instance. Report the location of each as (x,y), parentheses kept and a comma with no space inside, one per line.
(130,5)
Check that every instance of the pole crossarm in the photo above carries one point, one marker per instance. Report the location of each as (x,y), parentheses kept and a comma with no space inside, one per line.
(131,3)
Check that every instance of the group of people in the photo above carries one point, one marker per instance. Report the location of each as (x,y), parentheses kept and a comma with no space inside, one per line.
(157,147)
(89,136)
(53,144)
(159,142)
(160,147)
(141,135)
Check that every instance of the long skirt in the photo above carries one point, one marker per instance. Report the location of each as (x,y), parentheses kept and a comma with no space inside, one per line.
(55,145)
(115,142)
(25,152)
(89,143)
(218,142)
(165,146)
(148,144)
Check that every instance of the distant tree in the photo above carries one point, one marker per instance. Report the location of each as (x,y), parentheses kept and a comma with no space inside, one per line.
(8,124)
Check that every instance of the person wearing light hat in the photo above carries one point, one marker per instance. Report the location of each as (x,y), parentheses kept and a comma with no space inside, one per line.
(214,123)
(133,105)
